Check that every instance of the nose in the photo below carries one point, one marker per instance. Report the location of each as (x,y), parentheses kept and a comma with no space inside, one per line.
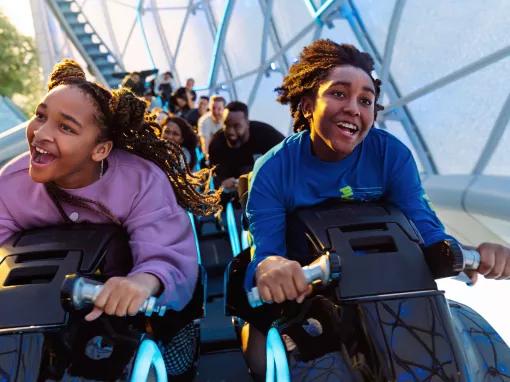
(352,107)
(43,133)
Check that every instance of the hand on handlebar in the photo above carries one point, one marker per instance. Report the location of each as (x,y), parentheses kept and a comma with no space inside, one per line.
(494,262)
(279,279)
(123,296)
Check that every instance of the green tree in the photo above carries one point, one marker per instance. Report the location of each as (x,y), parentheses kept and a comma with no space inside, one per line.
(20,73)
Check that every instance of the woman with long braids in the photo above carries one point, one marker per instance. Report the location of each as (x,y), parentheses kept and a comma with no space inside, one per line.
(180,132)
(95,156)
(335,153)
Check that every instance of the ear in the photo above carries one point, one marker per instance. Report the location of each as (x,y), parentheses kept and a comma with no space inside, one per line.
(102,150)
(307,107)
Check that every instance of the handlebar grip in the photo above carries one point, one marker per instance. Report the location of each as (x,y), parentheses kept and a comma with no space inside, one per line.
(77,292)
(325,269)
(471,259)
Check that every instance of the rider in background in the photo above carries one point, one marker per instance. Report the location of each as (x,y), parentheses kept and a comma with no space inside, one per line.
(94,157)
(335,153)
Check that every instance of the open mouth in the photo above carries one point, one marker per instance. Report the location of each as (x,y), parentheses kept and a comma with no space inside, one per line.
(41,156)
(348,128)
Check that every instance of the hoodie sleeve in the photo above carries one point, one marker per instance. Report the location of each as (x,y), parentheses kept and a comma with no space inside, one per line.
(162,241)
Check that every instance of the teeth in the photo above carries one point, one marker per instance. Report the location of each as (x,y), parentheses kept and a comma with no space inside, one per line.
(349,126)
(39,150)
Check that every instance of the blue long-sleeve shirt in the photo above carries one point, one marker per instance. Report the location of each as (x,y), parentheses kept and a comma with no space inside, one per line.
(289,176)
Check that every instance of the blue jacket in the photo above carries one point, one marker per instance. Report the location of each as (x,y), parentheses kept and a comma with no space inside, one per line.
(289,176)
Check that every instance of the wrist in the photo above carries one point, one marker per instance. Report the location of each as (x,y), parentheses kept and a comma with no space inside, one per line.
(149,282)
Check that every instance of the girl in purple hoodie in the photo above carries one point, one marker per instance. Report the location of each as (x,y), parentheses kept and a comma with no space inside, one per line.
(94,156)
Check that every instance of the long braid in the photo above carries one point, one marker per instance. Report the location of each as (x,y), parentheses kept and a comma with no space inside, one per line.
(315,62)
(122,118)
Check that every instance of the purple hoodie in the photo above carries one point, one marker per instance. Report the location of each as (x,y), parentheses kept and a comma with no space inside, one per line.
(138,193)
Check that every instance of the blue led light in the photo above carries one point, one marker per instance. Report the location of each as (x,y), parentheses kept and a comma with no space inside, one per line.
(148,354)
(195,237)
(276,358)
(232,230)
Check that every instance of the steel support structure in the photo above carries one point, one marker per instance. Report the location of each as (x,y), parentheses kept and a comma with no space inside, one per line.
(351,14)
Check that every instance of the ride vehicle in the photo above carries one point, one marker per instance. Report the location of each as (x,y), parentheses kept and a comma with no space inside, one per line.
(376,313)
(42,341)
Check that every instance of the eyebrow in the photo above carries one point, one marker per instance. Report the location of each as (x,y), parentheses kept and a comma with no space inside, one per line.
(66,116)
(72,119)
(346,83)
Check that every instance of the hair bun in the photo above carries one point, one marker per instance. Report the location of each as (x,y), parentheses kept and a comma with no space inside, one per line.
(65,70)
(127,109)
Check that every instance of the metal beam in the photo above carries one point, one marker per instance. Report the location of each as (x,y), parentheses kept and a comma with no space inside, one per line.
(390,41)
(263,50)
(351,14)
(277,55)
(164,42)
(139,13)
(108,22)
(220,32)
(494,138)
(126,43)
(452,77)
(183,27)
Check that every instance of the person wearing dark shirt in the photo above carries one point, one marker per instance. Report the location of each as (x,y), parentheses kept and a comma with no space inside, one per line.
(234,149)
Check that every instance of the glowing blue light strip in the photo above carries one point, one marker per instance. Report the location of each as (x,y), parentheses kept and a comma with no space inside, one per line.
(232,230)
(139,20)
(276,358)
(219,40)
(148,354)
(200,156)
(192,219)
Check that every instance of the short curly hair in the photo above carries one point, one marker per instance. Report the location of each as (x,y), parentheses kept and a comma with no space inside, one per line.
(314,64)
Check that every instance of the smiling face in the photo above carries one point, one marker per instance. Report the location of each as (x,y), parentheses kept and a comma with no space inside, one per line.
(217,110)
(237,129)
(341,113)
(172,132)
(63,139)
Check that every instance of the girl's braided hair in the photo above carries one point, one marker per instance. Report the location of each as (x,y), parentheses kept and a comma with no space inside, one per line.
(313,66)
(122,118)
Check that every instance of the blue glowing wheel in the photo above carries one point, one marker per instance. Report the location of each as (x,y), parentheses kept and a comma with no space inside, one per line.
(148,355)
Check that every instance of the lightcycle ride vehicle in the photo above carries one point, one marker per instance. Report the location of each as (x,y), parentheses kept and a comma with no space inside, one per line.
(376,313)
(43,271)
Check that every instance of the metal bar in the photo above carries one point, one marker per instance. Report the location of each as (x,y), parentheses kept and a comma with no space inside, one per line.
(128,38)
(494,139)
(390,41)
(350,13)
(452,77)
(219,43)
(232,91)
(164,42)
(278,54)
(113,39)
(267,12)
(139,12)
(183,27)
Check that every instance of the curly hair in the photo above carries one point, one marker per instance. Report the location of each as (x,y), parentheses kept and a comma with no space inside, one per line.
(314,64)
(190,139)
(122,118)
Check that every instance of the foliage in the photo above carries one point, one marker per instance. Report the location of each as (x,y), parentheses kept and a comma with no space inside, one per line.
(20,74)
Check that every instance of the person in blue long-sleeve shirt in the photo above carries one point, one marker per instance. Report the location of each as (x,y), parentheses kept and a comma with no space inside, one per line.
(336,153)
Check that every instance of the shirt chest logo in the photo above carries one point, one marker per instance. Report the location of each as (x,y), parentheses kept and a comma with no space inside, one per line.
(361,193)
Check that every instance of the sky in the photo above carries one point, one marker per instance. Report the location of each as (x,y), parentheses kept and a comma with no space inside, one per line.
(20,14)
